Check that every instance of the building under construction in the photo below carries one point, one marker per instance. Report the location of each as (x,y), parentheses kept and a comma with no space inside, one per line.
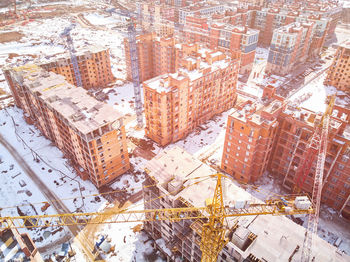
(271,136)
(89,132)
(251,238)
(203,85)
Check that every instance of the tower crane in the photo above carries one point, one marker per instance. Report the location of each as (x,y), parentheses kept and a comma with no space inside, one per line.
(316,149)
(212,216)
(66,34)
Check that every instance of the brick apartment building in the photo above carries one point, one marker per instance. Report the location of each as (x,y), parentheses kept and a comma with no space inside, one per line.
(179,181)
(90,133)
(338,74)
(94,67)
(273,137)
(239,41)
(204,85)
(250,134)
(156,56)
(289,47)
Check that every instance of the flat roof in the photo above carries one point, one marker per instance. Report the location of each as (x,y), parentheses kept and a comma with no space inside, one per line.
(82,111)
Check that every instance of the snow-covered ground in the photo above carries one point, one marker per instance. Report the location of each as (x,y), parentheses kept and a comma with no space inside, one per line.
(313,96)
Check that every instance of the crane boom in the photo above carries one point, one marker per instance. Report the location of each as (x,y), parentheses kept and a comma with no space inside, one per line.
(212,216)
(272,207)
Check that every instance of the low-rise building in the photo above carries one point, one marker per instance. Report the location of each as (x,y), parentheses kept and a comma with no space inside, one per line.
(339,72)
(203,85)
(89,132)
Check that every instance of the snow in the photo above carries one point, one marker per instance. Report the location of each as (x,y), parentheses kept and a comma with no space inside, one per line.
(62,179)
(131,244)
(97,19)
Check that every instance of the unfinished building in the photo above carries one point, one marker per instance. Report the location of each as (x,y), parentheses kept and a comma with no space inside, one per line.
(94,67)
(17,247)
(296,126)
(250,133)
(338,74)
(176,179)
(88,132)
(271,136)
(204,85)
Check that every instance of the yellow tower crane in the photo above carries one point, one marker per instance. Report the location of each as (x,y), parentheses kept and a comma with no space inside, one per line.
(213,237)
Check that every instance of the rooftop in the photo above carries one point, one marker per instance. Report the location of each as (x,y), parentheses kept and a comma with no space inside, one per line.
(83,112)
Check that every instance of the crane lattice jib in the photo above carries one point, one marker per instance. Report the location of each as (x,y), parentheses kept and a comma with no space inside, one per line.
(70,47)
(135,72)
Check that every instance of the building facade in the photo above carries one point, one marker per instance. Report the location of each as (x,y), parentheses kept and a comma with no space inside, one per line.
(250,133)
(94,67)
(289,47)
(156,56)
(89,133)
(271,136)
(204,85)
(339,73)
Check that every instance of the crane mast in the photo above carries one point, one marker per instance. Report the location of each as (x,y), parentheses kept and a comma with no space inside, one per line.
(70,47)
(316,147)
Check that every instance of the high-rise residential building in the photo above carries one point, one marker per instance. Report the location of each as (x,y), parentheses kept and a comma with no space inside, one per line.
(175,179)
(88,132)
(271,136)
(296,127)
(339,73)
(201,8)
(203,85)
(156,56)
(94,67)
(239,41)
(250,134)
(290,46)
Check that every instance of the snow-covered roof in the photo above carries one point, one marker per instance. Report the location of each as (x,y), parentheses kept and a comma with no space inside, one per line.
(83,112)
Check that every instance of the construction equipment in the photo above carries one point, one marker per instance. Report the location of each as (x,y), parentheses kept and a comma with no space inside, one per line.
(212,215)
(135,71)
(316,147)
(70,47)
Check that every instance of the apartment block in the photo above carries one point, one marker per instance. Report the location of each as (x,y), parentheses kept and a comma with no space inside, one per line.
(156,56)
(89,133)
(290,46)
(175,179)
(296,127)
(204,85)
(200,8)
(94,67)
(339,73)
(250,133)
(239,41)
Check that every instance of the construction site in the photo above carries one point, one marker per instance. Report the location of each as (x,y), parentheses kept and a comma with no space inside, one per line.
(174,130)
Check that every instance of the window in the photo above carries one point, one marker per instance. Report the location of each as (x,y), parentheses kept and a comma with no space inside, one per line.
(239,141)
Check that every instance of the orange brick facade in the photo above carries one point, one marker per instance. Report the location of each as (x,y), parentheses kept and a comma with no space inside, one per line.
(90,133)
(204,85)
(94,67)
(273,137)
(339,73)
